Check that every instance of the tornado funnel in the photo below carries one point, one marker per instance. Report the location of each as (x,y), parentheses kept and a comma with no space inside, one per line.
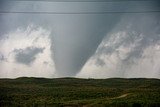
(76,37)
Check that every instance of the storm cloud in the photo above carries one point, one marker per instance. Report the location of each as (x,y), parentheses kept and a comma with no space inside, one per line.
(82,45)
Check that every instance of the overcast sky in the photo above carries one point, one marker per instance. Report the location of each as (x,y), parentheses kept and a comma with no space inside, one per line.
(79,39)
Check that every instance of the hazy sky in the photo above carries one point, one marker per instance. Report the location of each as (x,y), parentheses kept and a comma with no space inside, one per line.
(71,43)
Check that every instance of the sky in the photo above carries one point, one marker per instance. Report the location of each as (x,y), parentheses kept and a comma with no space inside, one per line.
(80,39)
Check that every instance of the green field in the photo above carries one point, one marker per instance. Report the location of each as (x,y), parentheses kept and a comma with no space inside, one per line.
(73,92)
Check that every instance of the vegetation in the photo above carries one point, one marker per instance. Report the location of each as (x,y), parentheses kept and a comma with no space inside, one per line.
(74,92)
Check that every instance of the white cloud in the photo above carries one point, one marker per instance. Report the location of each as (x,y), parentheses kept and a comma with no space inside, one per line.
(32,36)
(148,65)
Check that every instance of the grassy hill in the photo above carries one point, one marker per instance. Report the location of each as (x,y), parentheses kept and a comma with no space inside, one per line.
(74,92)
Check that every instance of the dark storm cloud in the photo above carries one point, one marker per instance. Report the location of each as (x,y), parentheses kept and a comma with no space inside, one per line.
(74,37)
(28,55)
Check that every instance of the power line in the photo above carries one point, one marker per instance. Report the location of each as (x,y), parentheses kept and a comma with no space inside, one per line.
(106,12)
(81,0)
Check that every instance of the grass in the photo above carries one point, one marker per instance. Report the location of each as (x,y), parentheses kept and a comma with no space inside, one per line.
(74,92)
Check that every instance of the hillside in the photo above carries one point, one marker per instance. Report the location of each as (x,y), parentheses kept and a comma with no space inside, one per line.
(74,92)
